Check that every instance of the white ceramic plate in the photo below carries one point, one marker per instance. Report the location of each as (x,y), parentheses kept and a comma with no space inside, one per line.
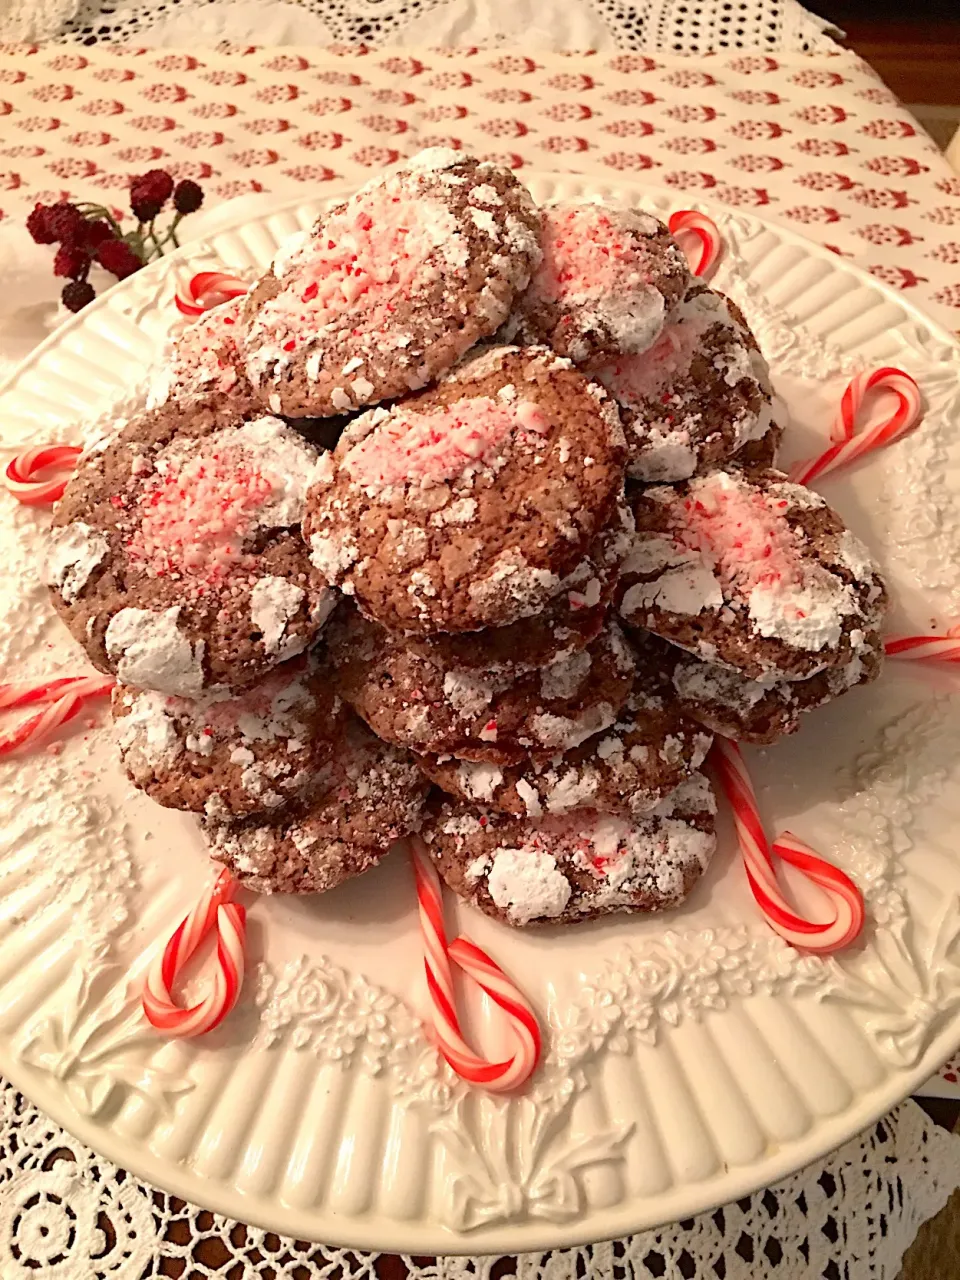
(691,1058)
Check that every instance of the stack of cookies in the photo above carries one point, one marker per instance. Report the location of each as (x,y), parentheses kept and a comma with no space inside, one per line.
(463,522)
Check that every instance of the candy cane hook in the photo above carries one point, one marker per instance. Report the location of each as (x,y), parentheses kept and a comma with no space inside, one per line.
(851,445)
(208,289)
(699,237)
(498,1077)
(18,478)
(758,859)
(215,910)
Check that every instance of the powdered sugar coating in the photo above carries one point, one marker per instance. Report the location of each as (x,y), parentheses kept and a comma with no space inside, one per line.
(369,795)
(561,679)
(527,885)
(273,602)
(391,288)
(579,866)
(151,651)
(608,281)
(466,505)
(73,552)
(497,715)
(698,397)
(228,754)
(745,571)
(199,514)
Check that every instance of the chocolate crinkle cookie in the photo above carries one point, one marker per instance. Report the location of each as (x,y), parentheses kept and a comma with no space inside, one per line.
(466,505)
(609,280)
(698,396)
(202,367)
(176,558)
(748,571)
(763,711)
(567,623)
(228,754)
(497,715)
(368,796)
(565,869)
(628,769)
(392,286)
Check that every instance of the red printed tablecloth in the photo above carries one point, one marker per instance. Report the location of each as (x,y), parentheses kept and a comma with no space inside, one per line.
(815,141)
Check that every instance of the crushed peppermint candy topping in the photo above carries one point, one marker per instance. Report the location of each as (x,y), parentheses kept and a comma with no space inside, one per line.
(489,732)
(741,533)
(194,517)
(432,448)
(587,251)
(158,727)
(651,374)
(648,375)
(379,248)
(597,259)
(731,544)
(534,879)
(205,498)
(702,358)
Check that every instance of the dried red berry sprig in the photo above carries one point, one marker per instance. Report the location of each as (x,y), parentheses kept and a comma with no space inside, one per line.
(88,233)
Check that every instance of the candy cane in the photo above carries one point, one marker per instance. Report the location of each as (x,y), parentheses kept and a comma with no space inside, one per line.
(215,910)
(846,899)
(208,289)
(498,1077)
(67,697)
(945,648)
(849,446)
(18,477)
(699,237)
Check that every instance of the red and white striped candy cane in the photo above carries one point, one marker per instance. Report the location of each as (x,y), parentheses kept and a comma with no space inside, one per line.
(699,237)
(927,649)
(208,289)
(758,859)
(18,478)
(850,446)
(67,696)
(498,1077)
(215,910)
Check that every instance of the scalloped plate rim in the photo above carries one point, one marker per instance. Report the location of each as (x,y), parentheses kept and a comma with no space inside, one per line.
(534,1236)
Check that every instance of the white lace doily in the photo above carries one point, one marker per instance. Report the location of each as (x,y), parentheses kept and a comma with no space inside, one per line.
(676,26)
(66,1214)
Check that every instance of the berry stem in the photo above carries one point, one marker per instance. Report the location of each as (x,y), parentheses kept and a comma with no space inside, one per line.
(92,212)
(157,250)
(135,240)
(171,235)
(115,225)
